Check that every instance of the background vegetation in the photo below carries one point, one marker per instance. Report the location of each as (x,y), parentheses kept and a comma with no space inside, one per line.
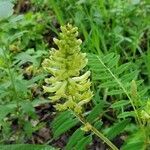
(116,38)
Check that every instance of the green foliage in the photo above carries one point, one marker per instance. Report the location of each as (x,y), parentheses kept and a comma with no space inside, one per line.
(115,37)
(117,128)
(21,52)
(78,140)
(96,112)
(62,123)
(124,73)
(4,111)
(81,145)
(136,141)
(76,136)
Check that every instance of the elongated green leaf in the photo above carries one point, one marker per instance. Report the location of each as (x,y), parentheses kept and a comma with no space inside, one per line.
(35,79)
(137,145)
(135,142)
(65,126)
(115,92)
(122,68)
(81,145)
(96,111)
(120,104)
(117,128)
(61,118)
(108,57)
(129,77)
(17,35)
(38,102)
(76,136)
(109,84)
(113,62)
(98,124)
(126,114)
(101,76)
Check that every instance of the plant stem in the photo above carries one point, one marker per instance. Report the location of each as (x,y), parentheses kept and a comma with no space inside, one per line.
(96,132)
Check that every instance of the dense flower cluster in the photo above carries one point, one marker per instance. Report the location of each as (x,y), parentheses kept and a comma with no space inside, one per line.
(69,89)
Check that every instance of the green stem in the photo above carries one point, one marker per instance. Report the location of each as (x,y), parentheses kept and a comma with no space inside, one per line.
(105,139)
(96,132)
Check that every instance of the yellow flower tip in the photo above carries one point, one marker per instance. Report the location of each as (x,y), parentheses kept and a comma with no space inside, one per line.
(45,63)
(70,104)
(85,101)
(56,41)
(62,89)
(47,80)
(79,42)
(60,107)
(78,109)
(87,127)
(83,77)
(145,115)
(63,29)
(45,88)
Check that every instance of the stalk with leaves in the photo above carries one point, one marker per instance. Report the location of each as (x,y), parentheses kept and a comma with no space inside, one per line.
(68,86)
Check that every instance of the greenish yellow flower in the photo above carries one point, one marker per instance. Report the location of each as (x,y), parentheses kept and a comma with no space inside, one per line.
(70,89)
(145,112)
(87,127)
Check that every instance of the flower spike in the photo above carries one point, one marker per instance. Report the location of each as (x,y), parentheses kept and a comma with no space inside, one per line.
(70,89)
